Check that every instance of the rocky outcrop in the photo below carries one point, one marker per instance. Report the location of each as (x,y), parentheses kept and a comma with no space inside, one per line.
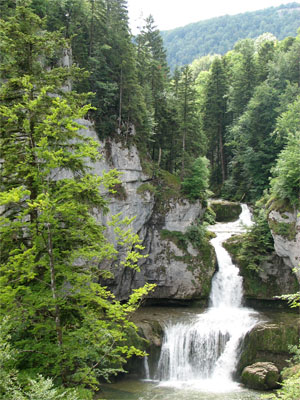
(180,272)
(226,211)
(285,228)
(272,277)
(270,341)
(261,376)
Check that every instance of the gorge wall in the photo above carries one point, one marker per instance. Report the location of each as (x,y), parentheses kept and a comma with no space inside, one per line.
(181,270)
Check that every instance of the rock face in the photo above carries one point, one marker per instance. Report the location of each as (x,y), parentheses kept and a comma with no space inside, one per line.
(261,285)
(270,341)
(285,228)
(261,376)
(179,272)
(226,211)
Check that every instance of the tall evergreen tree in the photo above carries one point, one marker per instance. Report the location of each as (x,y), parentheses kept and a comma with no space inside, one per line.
(189,119)
(243,77)
(153,73)
(214,120)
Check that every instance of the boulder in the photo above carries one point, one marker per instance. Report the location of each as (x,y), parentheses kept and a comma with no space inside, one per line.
(226,211)
(270,341)
(261,376)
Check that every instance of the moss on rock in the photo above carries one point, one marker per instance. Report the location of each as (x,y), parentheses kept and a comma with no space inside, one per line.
(283,229)
(269,279)
(226,211)
(202,263)
(270,342)
(261,376)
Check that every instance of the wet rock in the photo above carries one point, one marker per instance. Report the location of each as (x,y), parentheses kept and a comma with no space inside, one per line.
(226,211)
(272,278)
(271,341)
(261,376)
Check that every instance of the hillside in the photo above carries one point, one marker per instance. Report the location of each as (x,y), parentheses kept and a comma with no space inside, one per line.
(218,35)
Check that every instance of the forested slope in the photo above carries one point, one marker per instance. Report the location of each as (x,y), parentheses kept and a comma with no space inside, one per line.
(218,35)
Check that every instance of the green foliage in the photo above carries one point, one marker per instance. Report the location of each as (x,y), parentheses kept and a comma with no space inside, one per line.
(153,77)
(214,120)
(225,211)
(12,387)
(167,187)
(209,216)
(218,35)
(285,183)
(290,389)
(257,243)
(292,299)
(177,237)
(284,229)
(146,187)
(64,324)
(196,186)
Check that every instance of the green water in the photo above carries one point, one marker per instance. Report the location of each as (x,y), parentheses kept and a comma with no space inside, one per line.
(139,390)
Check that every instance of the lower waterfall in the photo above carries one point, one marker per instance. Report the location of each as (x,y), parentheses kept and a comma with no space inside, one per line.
(204,351)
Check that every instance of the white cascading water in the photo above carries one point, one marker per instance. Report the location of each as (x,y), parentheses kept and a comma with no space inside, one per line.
(203,352)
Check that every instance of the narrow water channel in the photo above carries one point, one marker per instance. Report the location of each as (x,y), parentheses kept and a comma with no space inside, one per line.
(199,353)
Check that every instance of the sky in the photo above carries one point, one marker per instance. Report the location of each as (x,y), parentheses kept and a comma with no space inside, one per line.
(169,14)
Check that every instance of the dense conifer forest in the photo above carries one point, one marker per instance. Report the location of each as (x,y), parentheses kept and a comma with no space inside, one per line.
(219,35)
(223,126)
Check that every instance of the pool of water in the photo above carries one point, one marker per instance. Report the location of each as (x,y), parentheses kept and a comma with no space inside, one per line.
(142,390)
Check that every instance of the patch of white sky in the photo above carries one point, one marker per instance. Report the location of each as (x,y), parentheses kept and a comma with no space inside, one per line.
(170,14)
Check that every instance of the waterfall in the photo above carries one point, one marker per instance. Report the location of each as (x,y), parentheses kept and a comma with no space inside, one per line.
(146,368)
(203,352)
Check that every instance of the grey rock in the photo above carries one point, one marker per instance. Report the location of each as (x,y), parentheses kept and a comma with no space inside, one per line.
(261,376)
(288,248)
(166,265)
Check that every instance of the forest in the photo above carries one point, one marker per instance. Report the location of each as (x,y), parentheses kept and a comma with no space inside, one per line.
(219,35)
(224,126)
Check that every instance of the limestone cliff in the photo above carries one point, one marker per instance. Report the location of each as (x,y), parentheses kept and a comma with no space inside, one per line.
(285,228)
(181,271)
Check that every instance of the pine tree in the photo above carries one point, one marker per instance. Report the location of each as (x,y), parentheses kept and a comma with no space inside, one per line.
(189,119)
(243,77)
(153,77)
(214,120)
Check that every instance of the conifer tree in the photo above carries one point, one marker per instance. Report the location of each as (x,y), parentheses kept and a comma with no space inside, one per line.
(189,119)
(214,120)
(243,77)
(153,75)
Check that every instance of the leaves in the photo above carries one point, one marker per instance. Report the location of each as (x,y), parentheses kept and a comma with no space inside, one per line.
(64,324)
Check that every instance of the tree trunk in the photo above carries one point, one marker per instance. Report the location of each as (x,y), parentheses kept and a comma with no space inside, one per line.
(58,326)
(121,94)
(159,156)
(221,150)
(92,30)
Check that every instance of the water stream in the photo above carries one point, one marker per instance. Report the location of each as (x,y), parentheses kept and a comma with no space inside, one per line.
(203,352)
